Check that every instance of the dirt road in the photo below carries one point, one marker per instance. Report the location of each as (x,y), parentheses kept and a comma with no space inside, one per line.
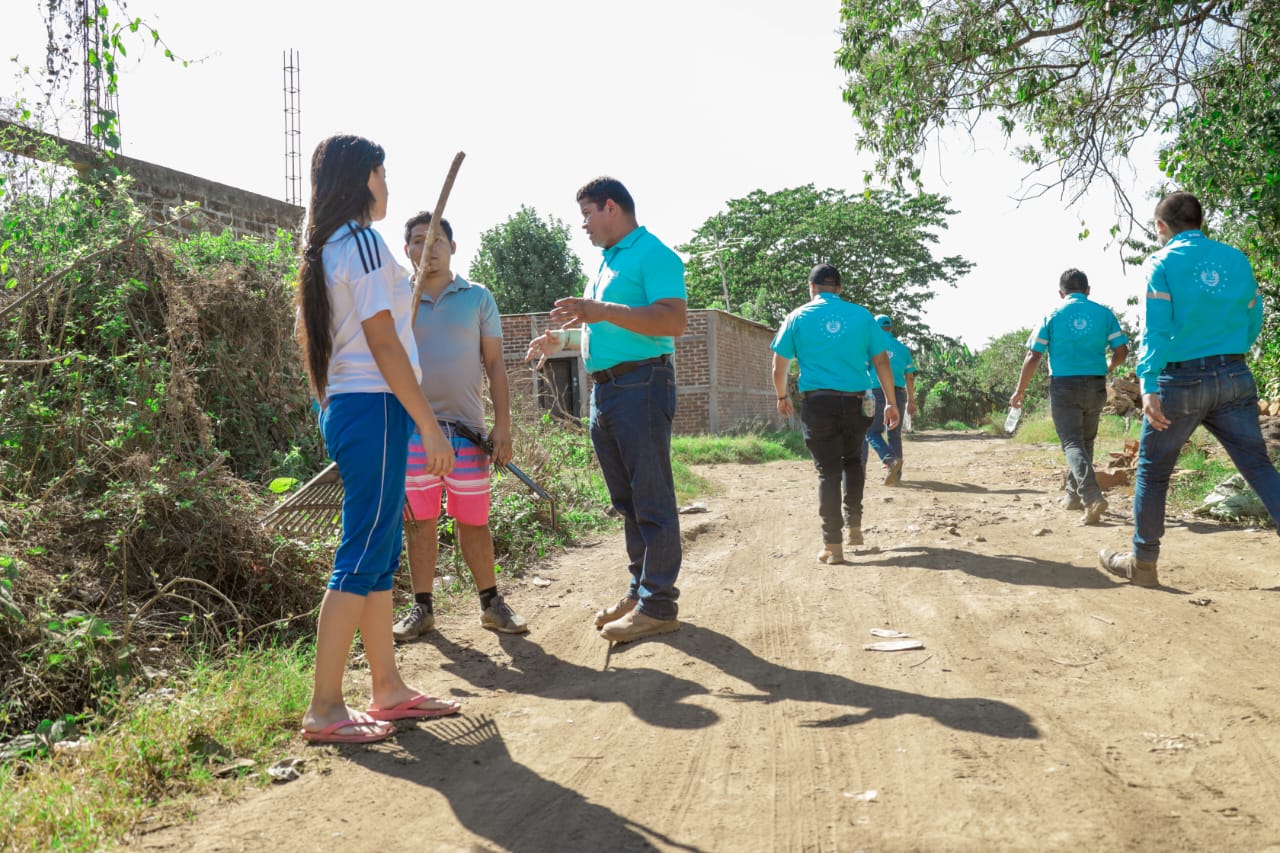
(1051,708)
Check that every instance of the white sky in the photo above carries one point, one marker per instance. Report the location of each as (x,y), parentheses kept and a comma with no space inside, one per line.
(689,102)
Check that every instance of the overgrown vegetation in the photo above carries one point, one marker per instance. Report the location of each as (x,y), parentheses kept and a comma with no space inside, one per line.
(149,388)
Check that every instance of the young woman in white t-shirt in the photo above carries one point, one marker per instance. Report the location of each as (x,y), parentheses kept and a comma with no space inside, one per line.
(355,331)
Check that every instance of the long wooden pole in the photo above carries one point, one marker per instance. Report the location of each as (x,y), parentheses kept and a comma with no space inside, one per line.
(433,231)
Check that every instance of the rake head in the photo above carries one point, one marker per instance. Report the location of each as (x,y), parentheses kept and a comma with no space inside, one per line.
(313,510)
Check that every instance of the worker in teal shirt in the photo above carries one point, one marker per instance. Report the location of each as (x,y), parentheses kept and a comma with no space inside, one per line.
(904,389)
(1076,335)
(833,341)
(626,325)
(1203,313)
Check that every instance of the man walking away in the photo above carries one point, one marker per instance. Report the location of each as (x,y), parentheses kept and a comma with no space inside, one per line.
(1077,336)
(834,341)
(904,388)
(1203,312)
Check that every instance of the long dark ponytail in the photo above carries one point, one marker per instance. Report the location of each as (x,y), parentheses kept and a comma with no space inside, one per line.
(340,169)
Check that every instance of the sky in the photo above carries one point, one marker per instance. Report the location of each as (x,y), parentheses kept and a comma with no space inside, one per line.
(690,103)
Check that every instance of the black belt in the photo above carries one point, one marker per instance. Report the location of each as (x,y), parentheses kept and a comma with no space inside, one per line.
(1207,361)
(827,392)
(624,367)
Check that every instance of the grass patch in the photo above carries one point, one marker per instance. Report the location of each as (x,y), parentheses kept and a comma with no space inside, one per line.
(1202,465)
(1199,471)
(955,426)
(162,746)
(743,449)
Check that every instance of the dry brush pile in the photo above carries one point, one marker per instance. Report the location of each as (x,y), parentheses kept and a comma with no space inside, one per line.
(147,388)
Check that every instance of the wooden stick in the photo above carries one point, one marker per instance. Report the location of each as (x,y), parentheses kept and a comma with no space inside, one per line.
(433,231)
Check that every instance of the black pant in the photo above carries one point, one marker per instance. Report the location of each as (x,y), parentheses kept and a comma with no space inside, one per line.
(834,429)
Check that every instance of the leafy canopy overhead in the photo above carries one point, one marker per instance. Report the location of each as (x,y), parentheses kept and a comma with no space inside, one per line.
(527,263)
(1084,80)
(762,247)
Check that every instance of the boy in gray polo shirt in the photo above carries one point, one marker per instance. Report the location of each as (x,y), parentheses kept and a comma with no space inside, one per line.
(459,336)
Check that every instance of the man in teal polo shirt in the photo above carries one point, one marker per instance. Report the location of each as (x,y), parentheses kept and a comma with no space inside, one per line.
(1077,335)
(626,325)
(1203,312)
(904,388)
(834,341)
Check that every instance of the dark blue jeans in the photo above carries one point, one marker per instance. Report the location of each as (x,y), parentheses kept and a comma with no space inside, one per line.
(892,449)
(631,430)
(1223,396)
(834,429)
(1076,403)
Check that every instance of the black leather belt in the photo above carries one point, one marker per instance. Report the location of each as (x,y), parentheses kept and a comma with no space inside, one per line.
(1207,361)
(624,367)
(827,392)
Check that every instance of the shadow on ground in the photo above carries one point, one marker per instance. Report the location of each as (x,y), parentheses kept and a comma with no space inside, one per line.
(974,488)
(466,760)
(777,683)
(656,697)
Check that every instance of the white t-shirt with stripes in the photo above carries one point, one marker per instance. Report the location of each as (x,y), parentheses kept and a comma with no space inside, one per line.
(364,278)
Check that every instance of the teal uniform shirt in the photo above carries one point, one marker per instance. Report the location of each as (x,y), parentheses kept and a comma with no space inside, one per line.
(834,341)
(900,361)
(1201,300)
(1077,335)
(638,270)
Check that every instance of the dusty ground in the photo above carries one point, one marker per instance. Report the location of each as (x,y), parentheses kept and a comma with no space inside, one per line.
(1051,708)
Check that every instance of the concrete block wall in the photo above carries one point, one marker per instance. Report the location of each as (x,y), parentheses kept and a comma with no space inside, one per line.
(157,188)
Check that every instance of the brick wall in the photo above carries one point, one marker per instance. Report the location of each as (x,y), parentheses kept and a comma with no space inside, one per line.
(723,370)
(743,371)
(157,188)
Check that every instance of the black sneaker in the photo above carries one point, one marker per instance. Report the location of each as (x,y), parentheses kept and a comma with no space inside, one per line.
(498,616)
(414,624)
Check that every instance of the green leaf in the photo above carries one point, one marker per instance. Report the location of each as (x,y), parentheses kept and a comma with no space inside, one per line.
(280,485)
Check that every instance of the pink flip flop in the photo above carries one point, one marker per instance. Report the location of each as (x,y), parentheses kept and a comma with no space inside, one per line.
(329,734)
(408,710)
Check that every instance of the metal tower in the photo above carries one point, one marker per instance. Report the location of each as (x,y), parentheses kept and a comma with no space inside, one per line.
(292,127)
(97,101)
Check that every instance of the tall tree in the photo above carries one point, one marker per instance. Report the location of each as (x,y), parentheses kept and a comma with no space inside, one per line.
(762,247)
(1081,82)
(1082,79)
(527,263)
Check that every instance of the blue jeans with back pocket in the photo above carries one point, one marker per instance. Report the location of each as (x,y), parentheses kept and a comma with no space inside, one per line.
(1221,395)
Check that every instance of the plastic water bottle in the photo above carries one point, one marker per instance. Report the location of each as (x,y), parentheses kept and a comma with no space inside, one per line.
(906,422)
(1011,422)
(869,404)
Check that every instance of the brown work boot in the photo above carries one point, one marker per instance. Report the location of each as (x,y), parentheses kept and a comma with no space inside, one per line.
(635,626)
(617,610)
(893,472)
(853,536)
(832,552)
(1137,572)
(1093,512)
(1071,503)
